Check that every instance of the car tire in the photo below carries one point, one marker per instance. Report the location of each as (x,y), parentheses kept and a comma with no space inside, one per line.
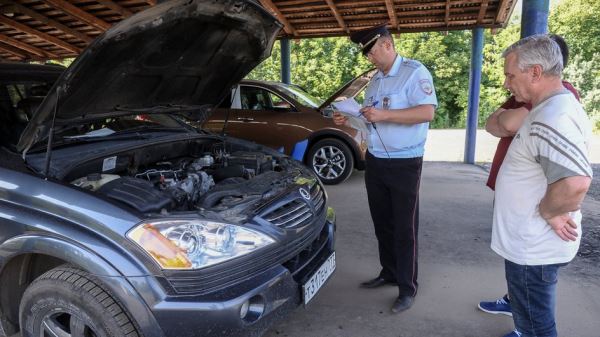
(67,301)
(332,160)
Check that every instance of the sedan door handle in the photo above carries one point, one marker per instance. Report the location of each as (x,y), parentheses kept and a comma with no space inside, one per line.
(245,119)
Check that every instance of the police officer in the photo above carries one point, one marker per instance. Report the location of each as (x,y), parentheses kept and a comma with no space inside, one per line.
(399,104)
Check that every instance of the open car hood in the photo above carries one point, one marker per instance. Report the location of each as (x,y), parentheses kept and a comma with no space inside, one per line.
(350,89)
(177,54)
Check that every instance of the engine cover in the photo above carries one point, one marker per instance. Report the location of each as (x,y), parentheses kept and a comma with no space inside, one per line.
(137,193)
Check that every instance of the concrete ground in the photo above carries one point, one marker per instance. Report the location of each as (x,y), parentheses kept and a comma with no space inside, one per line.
(457,268)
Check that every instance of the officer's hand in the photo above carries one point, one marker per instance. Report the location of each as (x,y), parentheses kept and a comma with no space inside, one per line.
(339,119)
(373,114)
(564,226)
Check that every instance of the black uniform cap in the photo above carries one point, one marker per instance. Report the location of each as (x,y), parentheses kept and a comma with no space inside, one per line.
(366,38)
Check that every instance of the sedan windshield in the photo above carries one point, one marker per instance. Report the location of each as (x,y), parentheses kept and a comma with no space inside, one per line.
(299,95)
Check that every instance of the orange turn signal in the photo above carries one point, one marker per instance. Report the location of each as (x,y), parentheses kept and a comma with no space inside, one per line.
(165,252)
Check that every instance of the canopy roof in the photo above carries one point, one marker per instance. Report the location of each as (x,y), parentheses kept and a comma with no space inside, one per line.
(320,18)
(55,29)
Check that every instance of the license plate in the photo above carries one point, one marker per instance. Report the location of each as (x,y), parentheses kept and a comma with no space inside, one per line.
(316,281)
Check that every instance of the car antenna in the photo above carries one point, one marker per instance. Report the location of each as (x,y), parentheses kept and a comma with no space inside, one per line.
(229,110)
(50,136)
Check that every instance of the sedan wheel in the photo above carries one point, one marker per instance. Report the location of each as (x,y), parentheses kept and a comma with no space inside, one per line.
(331,160)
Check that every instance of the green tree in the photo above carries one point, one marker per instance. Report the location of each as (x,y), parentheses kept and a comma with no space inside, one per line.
(579,23)
(447,57)
(585,76)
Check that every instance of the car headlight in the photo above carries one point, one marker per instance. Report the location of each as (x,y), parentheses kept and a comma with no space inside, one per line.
(195,244)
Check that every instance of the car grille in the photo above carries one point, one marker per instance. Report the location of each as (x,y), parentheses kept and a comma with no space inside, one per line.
(298,212)
(297,264)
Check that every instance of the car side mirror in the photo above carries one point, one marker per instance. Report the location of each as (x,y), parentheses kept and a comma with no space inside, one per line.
(327,111)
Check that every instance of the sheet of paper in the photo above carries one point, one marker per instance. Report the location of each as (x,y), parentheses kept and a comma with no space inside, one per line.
(350,108)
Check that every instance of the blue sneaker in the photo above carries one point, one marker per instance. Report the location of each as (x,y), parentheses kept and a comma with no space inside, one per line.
(499,306)
(514,333)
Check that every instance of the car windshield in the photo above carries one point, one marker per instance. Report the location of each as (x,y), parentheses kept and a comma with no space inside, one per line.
(299,95)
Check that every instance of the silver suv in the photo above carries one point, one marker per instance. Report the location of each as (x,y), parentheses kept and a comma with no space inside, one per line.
(119,219)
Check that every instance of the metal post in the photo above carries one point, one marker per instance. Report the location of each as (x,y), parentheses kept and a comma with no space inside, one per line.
(535,17)
(474,84)
(286,74)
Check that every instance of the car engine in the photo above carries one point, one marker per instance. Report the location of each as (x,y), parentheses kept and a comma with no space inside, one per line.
(221,182)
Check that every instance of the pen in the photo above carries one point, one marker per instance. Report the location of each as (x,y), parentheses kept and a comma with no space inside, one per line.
(372,106)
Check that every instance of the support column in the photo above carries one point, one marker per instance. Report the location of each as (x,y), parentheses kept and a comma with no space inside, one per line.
(474,85)
(535,17)
(286,73)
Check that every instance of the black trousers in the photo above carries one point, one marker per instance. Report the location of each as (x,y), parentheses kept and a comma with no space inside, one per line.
(393,192)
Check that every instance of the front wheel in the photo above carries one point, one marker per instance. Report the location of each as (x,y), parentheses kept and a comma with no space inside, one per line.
(332,161)
(68,302)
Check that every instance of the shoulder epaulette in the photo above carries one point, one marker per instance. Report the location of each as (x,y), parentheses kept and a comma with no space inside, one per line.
(411,64)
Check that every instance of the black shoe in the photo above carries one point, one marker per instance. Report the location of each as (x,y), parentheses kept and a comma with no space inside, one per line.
(403,302)
(376,282)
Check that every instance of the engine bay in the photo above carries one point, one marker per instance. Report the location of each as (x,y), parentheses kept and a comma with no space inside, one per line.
(200,175)
(183,184)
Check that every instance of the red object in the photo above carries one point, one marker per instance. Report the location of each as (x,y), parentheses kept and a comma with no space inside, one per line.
(504,142)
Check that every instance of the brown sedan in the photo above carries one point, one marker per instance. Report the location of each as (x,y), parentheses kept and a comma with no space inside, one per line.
(286,118)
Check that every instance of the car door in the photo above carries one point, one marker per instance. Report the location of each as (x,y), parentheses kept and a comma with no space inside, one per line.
(264,117)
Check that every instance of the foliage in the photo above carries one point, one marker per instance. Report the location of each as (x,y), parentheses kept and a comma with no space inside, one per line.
(578,22)
(449,66)
(585,76)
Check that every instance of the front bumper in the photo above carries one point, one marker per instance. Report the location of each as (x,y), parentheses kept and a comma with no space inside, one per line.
(264,298)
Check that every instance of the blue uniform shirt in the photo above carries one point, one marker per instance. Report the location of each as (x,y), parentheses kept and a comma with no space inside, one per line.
(407,84)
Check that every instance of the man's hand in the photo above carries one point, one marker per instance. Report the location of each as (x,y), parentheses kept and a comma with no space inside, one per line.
(373,114)
(564,226)
(339,119)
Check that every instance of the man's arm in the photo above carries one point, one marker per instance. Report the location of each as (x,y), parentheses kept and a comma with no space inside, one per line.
(505,122)
(562,197)
(413,115)
(512,119)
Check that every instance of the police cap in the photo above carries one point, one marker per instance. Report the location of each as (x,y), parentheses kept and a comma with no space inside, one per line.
(366,38)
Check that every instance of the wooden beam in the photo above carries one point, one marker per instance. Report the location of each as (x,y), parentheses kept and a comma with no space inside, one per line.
(33,32)
(447,14)
(124,12)
(289,29)
(501,15)
(13,51)
(482,10)
(78,13)
(26,47)
(337,15)
(389,4)
(332,32)
(17,8)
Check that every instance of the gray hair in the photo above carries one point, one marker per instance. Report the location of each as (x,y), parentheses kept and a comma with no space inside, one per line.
(537,49)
